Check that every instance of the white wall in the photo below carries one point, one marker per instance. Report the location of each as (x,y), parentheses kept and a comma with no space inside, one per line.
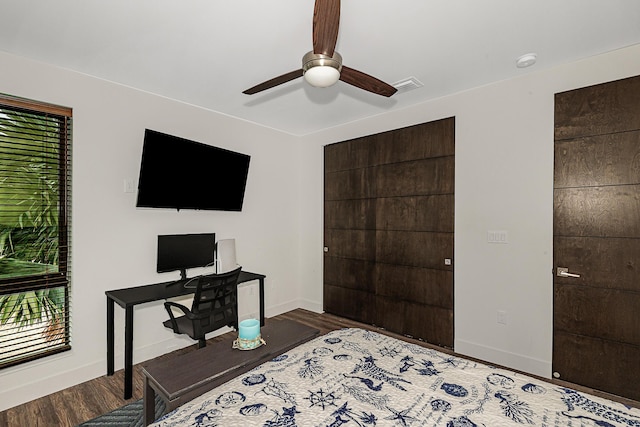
(114,243)
(504,181)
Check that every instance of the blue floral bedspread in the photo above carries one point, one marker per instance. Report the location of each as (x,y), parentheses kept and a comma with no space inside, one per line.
(354,377)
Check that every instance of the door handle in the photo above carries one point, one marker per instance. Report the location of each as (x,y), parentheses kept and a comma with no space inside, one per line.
(564,272)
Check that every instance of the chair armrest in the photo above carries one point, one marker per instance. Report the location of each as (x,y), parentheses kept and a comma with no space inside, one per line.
(188,313)
(185,310)
(169,304)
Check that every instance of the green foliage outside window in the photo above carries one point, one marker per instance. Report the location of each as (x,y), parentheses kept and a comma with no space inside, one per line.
(29,191)
(30,183)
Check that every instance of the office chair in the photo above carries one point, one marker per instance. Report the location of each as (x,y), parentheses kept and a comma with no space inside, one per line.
(215,305)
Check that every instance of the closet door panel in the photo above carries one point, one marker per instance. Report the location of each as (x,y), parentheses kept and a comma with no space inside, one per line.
(350,303)
(389,227)
(432,324)
(612,159)
(349,184)
(596,110)
(357,214)
(594,354)
(349,273)
(415,213)
(417,177)
(357,244)
(415,284)
(390,314)
(435,213)
(607,211)
(417,249)
(423,141)
(606,262)
(582,313)
(353,154)
(596,225)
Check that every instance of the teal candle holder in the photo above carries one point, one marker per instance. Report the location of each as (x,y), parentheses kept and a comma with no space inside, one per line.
(248,335)
(249,329)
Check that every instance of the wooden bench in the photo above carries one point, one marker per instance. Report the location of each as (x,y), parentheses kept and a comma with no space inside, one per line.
(182,378)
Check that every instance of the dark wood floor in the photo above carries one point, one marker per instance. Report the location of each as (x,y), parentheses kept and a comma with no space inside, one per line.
(85,401)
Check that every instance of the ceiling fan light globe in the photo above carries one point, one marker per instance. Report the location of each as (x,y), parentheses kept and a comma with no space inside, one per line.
(322,76)
(321,70)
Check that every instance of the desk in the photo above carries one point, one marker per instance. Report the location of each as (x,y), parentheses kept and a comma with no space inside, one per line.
(129,297)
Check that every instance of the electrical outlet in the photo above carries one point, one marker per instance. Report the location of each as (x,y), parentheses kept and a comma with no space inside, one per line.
(502,317)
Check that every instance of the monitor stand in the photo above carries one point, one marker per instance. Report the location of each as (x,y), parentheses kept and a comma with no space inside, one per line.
(183,278)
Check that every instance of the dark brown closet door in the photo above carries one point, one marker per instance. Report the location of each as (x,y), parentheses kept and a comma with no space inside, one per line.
(389,210)
(596,333)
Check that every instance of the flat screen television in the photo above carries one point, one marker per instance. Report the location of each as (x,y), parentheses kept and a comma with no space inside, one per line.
(183,251)
(179,174)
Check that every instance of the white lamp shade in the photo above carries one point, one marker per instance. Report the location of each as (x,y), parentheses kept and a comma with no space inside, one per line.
(322,76)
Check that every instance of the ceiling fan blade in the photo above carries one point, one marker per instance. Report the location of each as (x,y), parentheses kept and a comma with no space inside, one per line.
(326,20)
(274,82)
(366,82)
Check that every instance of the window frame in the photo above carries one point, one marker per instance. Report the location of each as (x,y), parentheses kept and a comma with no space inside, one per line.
(50,280)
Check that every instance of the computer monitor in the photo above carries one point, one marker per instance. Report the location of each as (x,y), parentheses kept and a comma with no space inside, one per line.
(183,251)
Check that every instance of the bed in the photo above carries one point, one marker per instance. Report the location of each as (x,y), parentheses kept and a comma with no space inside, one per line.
(359,378)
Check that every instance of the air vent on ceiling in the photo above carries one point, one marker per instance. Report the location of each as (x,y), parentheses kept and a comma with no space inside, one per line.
(410,83)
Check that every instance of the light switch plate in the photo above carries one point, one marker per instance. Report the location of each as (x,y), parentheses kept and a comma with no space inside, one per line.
(128,186)
(498,236)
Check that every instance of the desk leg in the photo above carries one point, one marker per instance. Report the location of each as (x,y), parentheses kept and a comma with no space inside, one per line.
(261,302)
(110,337)
(149,402)
(128,353)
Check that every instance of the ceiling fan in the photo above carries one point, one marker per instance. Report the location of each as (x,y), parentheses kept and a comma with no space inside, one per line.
(322,67)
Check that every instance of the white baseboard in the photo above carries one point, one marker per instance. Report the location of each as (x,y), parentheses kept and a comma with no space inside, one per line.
(33,387)
(292,305)
(275,310)
(310,305)
(500,357)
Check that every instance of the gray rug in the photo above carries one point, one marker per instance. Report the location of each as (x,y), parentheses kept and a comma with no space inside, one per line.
(130,415)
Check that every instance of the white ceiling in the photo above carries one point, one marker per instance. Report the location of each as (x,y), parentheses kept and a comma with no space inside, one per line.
(206,52)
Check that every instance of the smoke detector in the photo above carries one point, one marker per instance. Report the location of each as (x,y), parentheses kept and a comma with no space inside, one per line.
(526,60)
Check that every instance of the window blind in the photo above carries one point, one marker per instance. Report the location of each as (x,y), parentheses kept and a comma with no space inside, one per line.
(35,229)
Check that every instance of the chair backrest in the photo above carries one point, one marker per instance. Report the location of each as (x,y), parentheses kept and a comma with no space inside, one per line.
(216,293)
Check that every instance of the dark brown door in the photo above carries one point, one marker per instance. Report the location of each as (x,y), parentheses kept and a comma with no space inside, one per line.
(596,333)
(389,216)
